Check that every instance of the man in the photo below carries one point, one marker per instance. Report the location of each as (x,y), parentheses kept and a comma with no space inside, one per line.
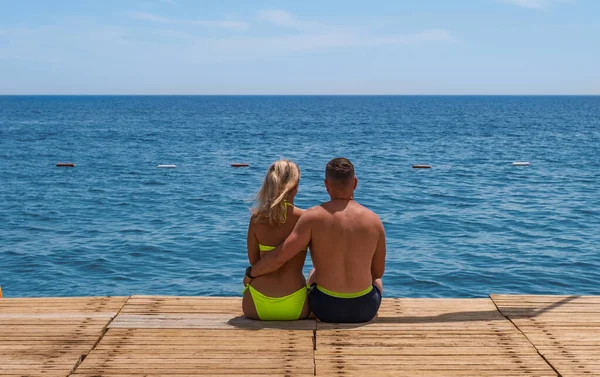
(347,246)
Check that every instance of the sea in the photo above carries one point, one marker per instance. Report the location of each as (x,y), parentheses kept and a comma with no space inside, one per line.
(471,225)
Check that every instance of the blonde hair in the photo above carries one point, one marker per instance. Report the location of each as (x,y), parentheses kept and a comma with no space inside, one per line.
(282,177)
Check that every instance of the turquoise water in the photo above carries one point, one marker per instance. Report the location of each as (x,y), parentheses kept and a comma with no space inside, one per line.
(471,225)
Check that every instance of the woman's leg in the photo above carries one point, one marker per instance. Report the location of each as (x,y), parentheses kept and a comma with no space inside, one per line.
(248,306)
(305,309)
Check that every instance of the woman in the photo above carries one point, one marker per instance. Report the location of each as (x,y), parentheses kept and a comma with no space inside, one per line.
(280,295)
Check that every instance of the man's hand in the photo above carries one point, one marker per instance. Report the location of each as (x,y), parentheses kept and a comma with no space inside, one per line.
(247,280)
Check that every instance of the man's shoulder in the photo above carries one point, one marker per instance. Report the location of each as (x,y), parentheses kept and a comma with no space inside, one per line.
(365,209)
(368,213)
(315,211)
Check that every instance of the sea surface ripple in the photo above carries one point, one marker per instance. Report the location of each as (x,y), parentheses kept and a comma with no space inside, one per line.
(472,225)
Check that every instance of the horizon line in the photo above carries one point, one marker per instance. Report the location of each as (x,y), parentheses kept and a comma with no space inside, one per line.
(299,95)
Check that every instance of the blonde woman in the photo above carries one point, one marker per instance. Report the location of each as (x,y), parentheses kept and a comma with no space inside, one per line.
(280,295)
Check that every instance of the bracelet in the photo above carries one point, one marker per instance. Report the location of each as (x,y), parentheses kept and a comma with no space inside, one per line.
(248,272)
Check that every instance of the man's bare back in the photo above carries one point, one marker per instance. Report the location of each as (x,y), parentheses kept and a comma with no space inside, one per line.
(344,240)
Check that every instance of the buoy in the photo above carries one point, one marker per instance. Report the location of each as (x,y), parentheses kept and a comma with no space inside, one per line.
(66,164)
(521,163)
(239,165)
(421,166)
(167,166)
(0,292)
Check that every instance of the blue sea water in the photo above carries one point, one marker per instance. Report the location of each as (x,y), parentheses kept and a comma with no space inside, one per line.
(472,225)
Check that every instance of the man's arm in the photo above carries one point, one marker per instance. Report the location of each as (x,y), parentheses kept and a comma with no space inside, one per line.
(253,249)
(378,264)
(295,243)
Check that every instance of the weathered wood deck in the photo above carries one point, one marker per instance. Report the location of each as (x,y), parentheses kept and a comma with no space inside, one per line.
(153,336)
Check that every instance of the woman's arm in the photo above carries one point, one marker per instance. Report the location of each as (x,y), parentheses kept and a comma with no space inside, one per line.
(253,249)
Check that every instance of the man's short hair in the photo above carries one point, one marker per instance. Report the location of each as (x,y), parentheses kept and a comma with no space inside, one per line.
(339,171)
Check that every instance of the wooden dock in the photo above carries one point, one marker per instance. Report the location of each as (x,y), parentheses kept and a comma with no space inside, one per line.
(162,336)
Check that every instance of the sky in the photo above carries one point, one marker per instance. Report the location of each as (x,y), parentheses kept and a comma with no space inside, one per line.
(299,47)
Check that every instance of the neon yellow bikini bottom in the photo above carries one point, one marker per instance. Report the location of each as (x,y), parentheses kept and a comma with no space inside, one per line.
(286,308)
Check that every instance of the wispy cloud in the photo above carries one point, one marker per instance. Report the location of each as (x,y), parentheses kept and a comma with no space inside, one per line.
(173,43)
(222,24)
(247,48)
(286,19)
(535,4)
(431,35)
(313,35)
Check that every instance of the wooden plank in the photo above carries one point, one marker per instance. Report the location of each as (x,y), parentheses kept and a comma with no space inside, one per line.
(428,337)
(183,304)
(199,372)
(543,298)
(38,317)
(48,337)
(564,329)
(183,336)
(204,321)
(141,351)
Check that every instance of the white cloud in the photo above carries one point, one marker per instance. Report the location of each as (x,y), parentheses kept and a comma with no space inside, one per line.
(535,4)
(236,49)
(317,36)
(432,35)
(222,24)
(287,20)
(279,17)
(308,36)
(151,17)
(173,34)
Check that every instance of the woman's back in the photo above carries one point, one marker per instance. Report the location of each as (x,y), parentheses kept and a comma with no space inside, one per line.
(280,295)
(289,277)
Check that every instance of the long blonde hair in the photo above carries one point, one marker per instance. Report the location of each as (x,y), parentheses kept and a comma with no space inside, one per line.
(282,177)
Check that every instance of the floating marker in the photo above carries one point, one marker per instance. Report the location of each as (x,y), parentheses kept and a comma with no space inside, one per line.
(521,163)
(66,164)
(239,165)
(421,166)
(167,166)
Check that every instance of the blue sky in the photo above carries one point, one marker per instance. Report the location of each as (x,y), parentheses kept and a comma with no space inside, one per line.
(299,47)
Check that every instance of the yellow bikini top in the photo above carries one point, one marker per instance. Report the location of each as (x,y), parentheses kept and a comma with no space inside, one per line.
(269,248)
(265,247)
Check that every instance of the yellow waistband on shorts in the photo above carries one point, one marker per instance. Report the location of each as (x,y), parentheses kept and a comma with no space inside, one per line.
(345,295)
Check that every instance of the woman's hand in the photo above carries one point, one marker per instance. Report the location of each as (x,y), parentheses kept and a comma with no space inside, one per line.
(247,280)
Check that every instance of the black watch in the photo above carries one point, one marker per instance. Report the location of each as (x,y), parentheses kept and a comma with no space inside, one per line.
(248,272)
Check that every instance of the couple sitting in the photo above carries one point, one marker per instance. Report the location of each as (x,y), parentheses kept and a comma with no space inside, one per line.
(347,246)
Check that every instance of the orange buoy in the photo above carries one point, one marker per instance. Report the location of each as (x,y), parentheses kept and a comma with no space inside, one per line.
(421,166)
(66,164)
(239,165)
(0,292)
